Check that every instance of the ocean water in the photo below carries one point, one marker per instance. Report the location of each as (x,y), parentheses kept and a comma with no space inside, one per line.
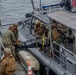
(14,10)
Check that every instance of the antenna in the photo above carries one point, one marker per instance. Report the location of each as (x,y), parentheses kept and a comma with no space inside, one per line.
(40,5)
(32,3)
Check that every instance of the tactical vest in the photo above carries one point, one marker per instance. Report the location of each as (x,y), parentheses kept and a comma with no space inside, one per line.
(39,30)
(55,34)
(43,40)
(11,65)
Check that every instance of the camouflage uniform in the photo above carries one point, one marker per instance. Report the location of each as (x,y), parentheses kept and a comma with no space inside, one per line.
(16,34)
(15,31)
(44,38)
(8,64)
(56,37)
(8,40)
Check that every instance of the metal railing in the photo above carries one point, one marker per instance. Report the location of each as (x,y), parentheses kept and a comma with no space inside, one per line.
(61,56)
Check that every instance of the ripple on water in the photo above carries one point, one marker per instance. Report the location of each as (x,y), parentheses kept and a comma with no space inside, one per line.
(13,10)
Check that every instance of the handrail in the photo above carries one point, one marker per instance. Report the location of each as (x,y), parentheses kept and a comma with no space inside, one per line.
(63,58)
(59,52)
(1,41)
(65,49)
(20,22)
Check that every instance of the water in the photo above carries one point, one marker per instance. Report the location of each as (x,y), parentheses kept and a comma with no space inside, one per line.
(13,10)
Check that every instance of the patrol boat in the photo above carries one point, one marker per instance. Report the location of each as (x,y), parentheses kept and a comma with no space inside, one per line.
(55,65)
(65,63)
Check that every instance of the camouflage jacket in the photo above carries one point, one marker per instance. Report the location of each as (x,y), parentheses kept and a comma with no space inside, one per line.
(8,37)
(8,66)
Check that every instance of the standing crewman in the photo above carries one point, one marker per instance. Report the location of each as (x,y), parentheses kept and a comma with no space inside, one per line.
(8,64)
(56,36)
(42,35)
(15,31)
(8,40)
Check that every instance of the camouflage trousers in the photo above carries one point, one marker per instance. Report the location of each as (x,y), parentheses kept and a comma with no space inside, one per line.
(10,46)
(56,51)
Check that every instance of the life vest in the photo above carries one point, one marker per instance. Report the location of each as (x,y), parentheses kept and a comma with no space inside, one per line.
(11,65)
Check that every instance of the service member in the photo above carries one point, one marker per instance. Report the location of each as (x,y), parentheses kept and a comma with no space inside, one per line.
(8,40)
(8,64)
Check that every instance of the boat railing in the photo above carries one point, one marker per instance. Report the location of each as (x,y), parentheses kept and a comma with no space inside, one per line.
(65,49)
(63,57)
